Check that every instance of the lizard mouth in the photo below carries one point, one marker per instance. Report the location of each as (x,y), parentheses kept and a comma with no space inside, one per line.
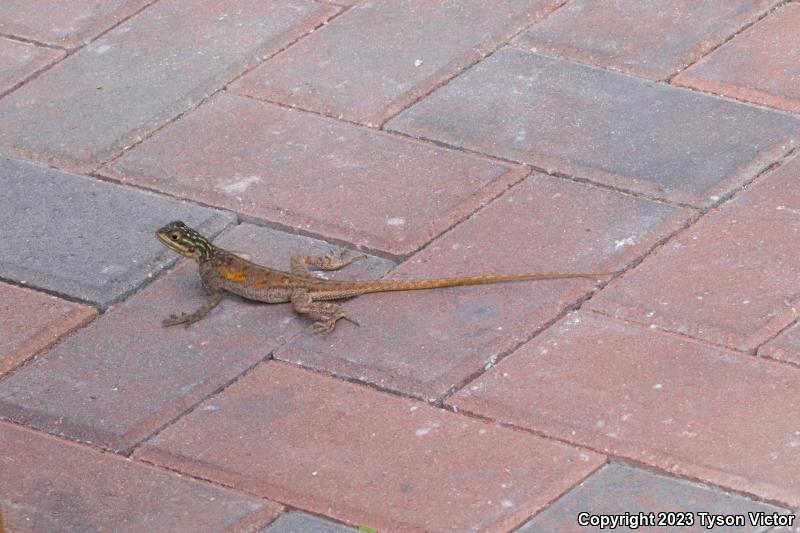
(166,241)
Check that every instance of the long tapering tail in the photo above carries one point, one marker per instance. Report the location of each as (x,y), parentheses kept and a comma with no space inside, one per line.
(353,288)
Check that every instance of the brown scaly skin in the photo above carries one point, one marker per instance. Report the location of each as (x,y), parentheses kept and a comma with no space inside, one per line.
(221,270)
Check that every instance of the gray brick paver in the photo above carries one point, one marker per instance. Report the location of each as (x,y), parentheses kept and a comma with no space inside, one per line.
(611,128)
(82,237)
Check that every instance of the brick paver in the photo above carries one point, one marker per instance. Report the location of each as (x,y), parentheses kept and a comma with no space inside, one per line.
(603,126)
(761,65)
(19,60)
(31,321)
(382,55)
(82,237)
(325,445)
(794,528)
(295,522)
(367,187)
(51,485)
(122,377)
(684,407)
(67,24)
(784,347)
(99,101)
(414,341)
(730,279)
(415,131)
(650,38)
(617,489)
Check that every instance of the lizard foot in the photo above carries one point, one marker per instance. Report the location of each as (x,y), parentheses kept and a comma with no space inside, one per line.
(183,318)
(326,324)
(334,260)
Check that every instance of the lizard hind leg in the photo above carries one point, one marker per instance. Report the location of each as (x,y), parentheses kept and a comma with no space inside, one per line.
(333,260)
(328,313)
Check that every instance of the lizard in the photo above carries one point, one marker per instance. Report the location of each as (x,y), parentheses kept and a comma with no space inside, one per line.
(222,270)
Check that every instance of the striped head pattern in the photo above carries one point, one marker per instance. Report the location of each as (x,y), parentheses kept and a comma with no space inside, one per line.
(180,238)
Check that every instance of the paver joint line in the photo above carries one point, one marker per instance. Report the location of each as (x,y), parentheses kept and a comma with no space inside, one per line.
(224,271)
(223,87)
(444,138)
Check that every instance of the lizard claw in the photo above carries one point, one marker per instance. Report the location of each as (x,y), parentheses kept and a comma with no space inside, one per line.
(336,258)
(183,318)
(327,324)
(173,320)
(321,326)
(351,320)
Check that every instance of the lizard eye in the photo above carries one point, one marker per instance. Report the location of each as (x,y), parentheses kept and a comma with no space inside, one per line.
(174,236)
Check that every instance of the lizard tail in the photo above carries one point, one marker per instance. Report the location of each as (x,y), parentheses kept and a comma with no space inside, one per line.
(363,287)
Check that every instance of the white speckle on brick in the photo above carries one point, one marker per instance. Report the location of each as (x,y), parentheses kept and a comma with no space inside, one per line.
(238,186)
(627,241)
(396,221)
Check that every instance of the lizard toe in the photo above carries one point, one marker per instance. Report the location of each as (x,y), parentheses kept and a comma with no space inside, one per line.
(325,326)
(174,320)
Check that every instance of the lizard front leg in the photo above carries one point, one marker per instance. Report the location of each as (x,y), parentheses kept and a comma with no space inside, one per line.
(328,313)
(214,298)
(333,260)
(212,286)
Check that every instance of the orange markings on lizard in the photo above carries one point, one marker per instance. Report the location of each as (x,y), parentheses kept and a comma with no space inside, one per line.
(280,281)
(299,287)
(230,274)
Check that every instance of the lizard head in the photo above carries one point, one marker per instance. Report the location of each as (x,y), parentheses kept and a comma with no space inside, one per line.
(180,238)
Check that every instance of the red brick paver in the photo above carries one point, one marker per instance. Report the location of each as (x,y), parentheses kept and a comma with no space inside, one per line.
(381,56)
(414,130)
(684,407)
(761,65)
(309,172)
(31,321)
(731,279)
(18,60)
(324,445)
(414,341)
(66,24)
(124,376)
(135,78)
(650,38)
(52,485)
(784,347)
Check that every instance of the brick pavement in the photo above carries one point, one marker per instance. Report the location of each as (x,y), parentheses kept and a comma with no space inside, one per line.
(440,138)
